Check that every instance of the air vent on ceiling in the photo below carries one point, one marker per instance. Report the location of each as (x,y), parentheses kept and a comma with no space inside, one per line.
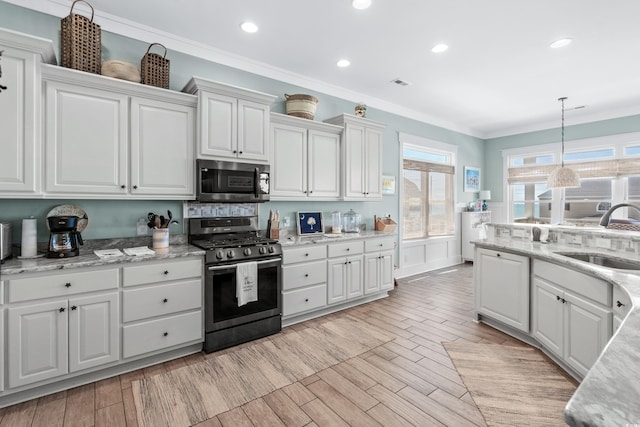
(400,82)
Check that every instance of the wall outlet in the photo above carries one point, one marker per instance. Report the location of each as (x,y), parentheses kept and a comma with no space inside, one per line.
(141,227)
(286,222)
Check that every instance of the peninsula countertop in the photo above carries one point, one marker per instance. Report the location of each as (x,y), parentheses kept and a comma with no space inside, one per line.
(610,392)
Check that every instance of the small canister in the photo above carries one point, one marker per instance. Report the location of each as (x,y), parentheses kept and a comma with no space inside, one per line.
(336,222)
(351,222)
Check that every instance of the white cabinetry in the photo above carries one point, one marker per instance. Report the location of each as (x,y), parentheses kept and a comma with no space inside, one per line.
(362,157)
(345,271)
(71,332)
(20,106)
(305,159)
(501,282)
(304,279)
(161,306)
(233,123)
(110,138)
(571,314)
(378,264)
(470,224)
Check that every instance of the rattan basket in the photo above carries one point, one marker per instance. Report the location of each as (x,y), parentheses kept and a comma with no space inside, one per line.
(81,40)
(300,105)
(155,68)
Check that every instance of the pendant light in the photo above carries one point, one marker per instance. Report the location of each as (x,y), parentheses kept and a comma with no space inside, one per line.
(563,177)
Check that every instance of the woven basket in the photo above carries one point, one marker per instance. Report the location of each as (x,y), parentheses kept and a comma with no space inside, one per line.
(155,68)
(301,105)
(81,40)
(623,226)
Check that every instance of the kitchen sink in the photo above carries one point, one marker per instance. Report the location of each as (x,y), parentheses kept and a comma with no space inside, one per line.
(603,260)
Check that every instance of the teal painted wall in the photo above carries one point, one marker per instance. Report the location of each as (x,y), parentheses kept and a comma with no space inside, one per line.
(113,218)
(493,167)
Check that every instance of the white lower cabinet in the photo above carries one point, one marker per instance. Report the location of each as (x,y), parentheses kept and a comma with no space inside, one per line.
(161,306)
(56,337)
(501,281)
(304,279)
(571,314)
(378,264)
(345,271)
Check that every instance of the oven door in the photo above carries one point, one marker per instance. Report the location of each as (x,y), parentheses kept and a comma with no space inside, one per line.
(221,304)
(232,182)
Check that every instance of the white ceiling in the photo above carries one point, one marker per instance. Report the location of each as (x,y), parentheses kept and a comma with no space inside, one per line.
(498,77)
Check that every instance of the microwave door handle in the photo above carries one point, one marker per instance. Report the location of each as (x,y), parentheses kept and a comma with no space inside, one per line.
(256,183)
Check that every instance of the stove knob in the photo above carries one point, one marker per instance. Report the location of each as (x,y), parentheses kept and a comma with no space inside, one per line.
(230,254)
(220,254)
(271,249)
(247,251)
(263,250)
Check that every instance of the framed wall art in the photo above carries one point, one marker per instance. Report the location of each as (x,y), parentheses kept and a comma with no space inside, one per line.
(471,179)
(388,184)
(309,223)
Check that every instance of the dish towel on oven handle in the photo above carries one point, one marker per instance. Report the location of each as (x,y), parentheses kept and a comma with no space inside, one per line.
(246,282)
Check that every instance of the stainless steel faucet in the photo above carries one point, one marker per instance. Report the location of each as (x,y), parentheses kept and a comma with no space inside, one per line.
(604,221)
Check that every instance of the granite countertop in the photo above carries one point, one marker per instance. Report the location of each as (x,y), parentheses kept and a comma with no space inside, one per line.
(177,248)
(295,240)
(610,392)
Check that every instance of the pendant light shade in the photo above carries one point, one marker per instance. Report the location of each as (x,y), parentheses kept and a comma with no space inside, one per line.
(563,177)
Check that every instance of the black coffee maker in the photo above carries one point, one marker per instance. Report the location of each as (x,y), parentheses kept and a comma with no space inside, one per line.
(64,238)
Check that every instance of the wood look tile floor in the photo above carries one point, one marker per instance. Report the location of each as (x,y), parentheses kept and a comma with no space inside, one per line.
(407,381)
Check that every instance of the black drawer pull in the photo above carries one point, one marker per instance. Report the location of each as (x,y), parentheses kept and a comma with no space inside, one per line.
(165,300)
(68,284)
(306,274)
(166,334)
(61,309)
(306,300)
(135,187)
(73,307)
(166,272)
(619,304)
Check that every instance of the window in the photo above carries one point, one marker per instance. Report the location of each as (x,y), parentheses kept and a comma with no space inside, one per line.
(609,170)
(427,192)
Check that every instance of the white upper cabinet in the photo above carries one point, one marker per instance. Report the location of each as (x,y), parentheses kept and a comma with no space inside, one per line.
(233,123)
(305,159)
(362,157)
(20,106)
(107,138)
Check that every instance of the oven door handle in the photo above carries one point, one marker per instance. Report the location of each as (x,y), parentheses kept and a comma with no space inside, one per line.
(228,267)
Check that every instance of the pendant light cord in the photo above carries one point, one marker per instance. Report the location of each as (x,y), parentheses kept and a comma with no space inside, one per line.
(562,154)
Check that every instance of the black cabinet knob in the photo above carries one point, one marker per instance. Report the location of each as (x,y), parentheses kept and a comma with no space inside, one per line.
(61,310)
(306,274)
(165,300)
(67,285)
(135,187)
(166,272)
(497,254)
(123,186)
(235,151)
(73,307)
(619,304)
(240,152)
(166,334)
(306,300)
(306,254)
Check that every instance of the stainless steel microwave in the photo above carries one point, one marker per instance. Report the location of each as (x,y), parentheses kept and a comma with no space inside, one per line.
(231,182)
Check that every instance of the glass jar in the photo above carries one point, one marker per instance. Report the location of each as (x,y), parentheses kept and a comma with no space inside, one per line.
(351,222)
(336,222)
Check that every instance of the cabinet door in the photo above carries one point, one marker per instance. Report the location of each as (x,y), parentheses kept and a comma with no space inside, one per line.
(371,273)
(94,337)
(324,165)
(289,161)
(253,131)
(502,287)
(386,271)
(373,171)
(162,140)
(218,125)
(354,162)
(588,329)
(548,318)
(86,140)
(20,112)
(354,277)
(336,284)
(37,343)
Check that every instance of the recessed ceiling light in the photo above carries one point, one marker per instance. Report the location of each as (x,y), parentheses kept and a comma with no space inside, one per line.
(249,27)
(439,48)
(361,4)
(560,43)
(343,63)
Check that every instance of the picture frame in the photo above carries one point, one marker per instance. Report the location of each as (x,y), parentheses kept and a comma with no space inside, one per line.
(309,223)
(388,184)
(471,179)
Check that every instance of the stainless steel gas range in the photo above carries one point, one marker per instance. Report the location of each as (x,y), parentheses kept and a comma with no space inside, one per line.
(233,245)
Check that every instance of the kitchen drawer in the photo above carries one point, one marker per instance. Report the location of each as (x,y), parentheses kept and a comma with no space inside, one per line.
(346,248)
(378,244)
(304,274)
(582,284)
(305,299)
(161,333)
(160,300)
(306,253)
(47,285)
(621,302)
(161,271)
